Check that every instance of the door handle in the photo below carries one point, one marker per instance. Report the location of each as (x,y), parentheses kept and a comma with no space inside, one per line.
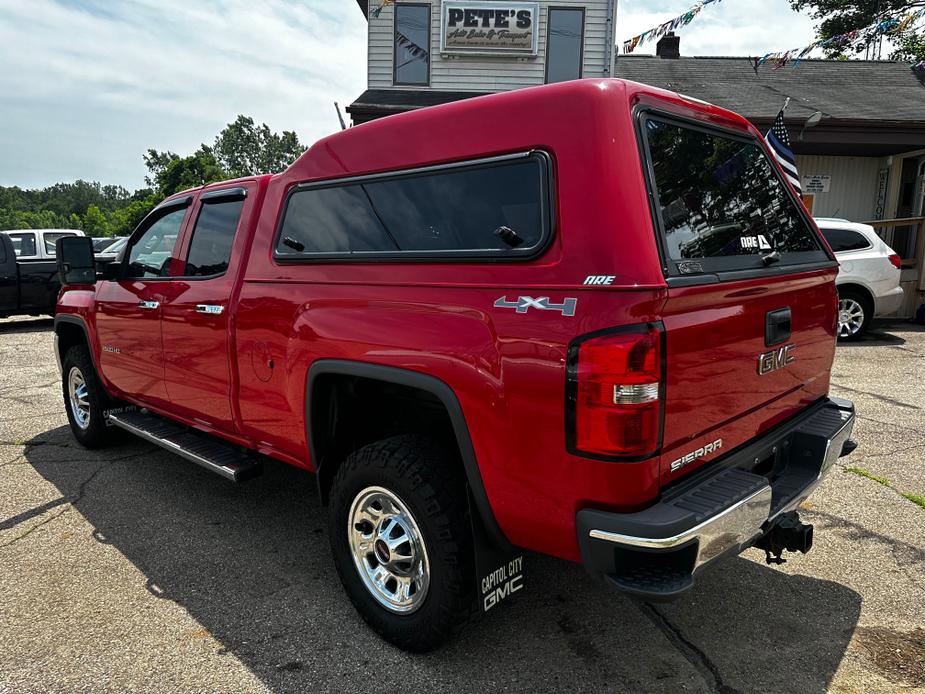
(210,309)
(148,305)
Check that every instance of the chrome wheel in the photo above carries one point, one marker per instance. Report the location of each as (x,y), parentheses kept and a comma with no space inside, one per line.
(388,550)
(850,317)
(78,398)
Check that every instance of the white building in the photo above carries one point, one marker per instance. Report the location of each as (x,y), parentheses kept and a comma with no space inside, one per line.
(435,51)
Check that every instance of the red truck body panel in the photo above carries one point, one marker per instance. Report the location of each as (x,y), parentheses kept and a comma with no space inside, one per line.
(437,318)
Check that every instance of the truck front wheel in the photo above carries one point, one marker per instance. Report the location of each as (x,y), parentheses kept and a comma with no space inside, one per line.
(402,540)
(84,398)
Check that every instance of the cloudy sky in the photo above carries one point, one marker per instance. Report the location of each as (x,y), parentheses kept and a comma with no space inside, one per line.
(86,86)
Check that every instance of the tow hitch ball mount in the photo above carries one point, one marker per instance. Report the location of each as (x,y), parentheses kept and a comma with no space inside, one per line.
(788,534)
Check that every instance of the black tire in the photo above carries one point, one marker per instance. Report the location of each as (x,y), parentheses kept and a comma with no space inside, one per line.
(426,477)
(93,433)
(850,300)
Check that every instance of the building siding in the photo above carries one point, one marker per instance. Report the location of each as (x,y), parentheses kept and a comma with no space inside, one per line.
(853,191)
(488,74)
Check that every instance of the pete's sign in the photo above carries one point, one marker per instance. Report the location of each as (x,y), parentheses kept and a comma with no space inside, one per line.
(489,27)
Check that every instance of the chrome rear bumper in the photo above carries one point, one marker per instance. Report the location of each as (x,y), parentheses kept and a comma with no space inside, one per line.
(721,510)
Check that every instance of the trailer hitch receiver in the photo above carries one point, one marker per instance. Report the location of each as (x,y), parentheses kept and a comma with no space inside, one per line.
(788,534)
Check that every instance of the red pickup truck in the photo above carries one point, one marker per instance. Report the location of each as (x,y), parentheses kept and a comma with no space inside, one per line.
(588,319)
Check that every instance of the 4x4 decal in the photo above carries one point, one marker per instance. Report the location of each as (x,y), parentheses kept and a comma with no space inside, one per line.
(525,303)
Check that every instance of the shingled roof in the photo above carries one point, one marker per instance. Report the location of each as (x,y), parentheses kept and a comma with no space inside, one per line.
(855,90)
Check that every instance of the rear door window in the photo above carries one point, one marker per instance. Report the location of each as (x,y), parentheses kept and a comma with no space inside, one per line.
(210,248)
(721,204)
(845,240)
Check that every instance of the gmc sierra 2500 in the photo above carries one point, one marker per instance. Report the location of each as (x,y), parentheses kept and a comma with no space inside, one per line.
(588,319)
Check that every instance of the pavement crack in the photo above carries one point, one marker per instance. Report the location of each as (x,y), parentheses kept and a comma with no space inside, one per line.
(858,533)
(694,655)
(67,502)
(30,416)
(883,398)
(893,425)
(38,525)
(863,454)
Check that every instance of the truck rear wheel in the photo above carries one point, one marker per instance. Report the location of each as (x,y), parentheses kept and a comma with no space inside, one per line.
(402,541)
(84,398)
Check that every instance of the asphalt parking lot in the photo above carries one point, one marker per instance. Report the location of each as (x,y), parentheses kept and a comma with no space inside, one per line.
(130,569)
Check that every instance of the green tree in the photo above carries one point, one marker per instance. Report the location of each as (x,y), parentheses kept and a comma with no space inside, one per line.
(124,220)
(157,162)
(30,219)
(246,149)
(841,16)
(242,148)
(93,222)
(171,173)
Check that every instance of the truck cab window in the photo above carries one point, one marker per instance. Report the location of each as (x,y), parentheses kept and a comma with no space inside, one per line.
(210,248)
(24,244)
(149,255)
(50,239)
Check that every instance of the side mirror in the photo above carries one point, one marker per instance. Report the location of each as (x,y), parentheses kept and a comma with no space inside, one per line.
(76,264)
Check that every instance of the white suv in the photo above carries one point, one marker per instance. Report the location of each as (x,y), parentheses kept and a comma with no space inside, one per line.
(868,279)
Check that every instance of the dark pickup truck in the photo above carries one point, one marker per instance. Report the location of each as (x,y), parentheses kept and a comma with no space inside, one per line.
(589,319)
(28,273)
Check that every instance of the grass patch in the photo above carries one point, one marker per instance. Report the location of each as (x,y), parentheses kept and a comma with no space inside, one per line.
(915,499)
(861,472)
(909,496)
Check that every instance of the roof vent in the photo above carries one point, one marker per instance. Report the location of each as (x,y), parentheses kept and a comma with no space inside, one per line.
(669,46)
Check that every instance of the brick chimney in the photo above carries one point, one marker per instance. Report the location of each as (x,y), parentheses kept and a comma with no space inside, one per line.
(669,46)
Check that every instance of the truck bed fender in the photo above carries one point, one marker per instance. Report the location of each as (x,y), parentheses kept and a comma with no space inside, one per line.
(478,498)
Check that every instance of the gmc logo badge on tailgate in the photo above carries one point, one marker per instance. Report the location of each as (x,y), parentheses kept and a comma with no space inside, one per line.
(775,359)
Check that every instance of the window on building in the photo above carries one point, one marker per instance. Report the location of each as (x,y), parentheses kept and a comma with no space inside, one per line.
(412,44)
(565,36)
(845,240)
(490,209)
(210,248)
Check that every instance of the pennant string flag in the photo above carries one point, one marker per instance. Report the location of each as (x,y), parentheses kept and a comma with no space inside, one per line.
(375,12)
(850,39)
(658,32)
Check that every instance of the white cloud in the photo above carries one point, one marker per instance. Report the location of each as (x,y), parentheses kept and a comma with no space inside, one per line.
(730,27)
(87,85)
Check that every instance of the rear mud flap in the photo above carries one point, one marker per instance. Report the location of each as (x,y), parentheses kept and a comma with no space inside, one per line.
(499,570)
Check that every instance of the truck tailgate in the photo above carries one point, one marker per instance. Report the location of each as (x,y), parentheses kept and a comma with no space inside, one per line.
(725,384)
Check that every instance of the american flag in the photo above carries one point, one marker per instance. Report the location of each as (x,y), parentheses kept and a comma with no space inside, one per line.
(779,141)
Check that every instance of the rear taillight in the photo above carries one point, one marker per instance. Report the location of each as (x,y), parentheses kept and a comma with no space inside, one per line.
(614,393)
(897,262)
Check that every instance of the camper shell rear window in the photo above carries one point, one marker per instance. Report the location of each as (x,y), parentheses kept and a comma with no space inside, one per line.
(719,203)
